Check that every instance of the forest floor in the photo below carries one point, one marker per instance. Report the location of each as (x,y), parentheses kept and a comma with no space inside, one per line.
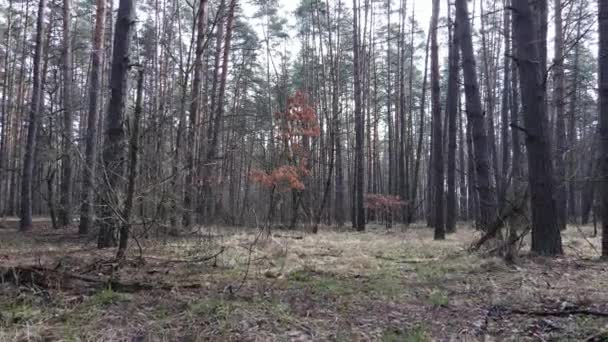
(396,285)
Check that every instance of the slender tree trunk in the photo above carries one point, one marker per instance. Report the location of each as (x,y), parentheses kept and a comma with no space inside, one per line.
(402,178)
(65,200)
(389,103)
(413,205)
(546,238)
(452,113)
(572,117)
(32,127)
(114,144)
(7,87)
(219,40)
(132,178)
(194,109)
(603,95)
(486,195)
(506,104)
(517,168)
(359,223)
(89,169)
(560,120)
(437,173)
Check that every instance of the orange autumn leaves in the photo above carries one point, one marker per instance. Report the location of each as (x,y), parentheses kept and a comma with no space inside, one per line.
(295,127)
(383,203)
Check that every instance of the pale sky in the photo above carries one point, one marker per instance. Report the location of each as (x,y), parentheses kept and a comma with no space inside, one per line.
(423,9)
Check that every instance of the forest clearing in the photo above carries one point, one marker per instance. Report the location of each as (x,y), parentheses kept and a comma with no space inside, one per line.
(386,285)
(303,170)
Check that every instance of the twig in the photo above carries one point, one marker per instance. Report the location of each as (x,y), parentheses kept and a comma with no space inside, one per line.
(559,313)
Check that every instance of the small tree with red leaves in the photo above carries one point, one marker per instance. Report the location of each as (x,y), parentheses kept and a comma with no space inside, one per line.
(295,127)
(384,206)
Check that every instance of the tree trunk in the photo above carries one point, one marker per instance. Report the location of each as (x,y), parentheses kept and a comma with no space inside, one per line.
(505,105)
(546,238)
(452,112)
(486,195)
(32,127)
(560,125)
(194,109)
(114,144)
(413,204)
(65,200)
(603,95)
(125,226)
(572,117)
(359,167)
(89,169)
(438,217)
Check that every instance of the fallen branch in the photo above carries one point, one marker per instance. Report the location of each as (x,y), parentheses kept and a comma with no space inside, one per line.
(195,260)
(46,278)
(601,336)
(560,313)
(295,237)
(406,261)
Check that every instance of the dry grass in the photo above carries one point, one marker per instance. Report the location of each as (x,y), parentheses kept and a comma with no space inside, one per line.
(396,285)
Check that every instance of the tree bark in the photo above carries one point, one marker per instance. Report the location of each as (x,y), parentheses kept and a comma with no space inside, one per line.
(125,226)
(359,167)
(486,195)
(452,112)
(89,169)
(505,106)
(560,125)
(437,165)
(546,237)
(603,95)
(114,144)
(65,200)
(413,204)
(194,109)
(32,127)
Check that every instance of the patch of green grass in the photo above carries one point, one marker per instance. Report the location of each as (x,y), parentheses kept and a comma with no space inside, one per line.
(213,307)
(324,283)
(19,314)
(276,309)
(439,298)
(430,271)
(108,296)
(386,285)
(302,275)
(332,285)
(415,334)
